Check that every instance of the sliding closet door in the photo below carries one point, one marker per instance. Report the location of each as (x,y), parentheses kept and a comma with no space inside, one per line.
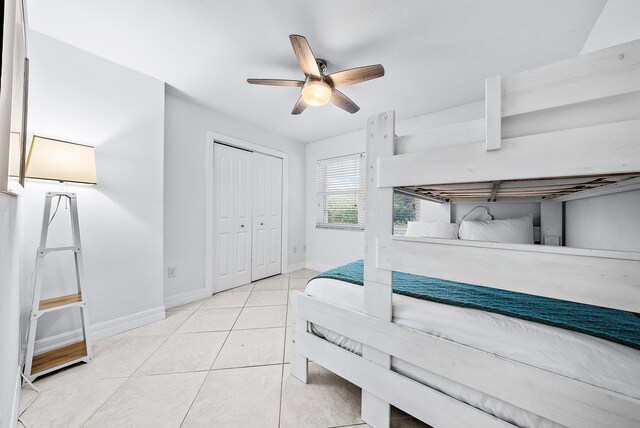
(232,216)
(267,217)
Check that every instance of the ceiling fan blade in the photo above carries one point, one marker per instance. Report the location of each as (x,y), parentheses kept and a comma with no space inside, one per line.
(299,107)
(342,101)
(355,75)
(304,55)
(276,82)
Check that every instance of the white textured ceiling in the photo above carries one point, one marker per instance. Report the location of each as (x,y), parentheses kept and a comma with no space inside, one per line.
(436,53)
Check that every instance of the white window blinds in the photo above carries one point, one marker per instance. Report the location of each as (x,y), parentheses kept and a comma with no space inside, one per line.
(340,190)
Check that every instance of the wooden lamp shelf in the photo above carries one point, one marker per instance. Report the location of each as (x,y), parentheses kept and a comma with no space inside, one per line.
(59,357)
(60,301)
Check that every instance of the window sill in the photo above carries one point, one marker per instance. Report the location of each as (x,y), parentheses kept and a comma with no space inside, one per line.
(337,227)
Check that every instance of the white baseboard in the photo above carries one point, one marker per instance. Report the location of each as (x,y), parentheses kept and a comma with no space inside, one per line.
(296,266)
(102,330)
(318,267)
(15,410)
(188,297)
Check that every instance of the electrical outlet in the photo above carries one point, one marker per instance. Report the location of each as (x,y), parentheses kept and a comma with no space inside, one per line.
(171,271)
(295,250)
(552,240)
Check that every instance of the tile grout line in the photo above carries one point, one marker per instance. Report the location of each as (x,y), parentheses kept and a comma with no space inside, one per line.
(107,399)
(126,379)
(200,371)
(214,361)
(136,370)
(204,379)
(231,329)
(163,342)
(284,350)
(266,306)
(281,393)
(218,354)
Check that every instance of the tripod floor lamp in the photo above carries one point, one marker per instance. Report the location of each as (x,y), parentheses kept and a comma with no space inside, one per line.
(61,161)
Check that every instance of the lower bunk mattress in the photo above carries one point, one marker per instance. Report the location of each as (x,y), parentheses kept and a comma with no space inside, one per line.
(592,360)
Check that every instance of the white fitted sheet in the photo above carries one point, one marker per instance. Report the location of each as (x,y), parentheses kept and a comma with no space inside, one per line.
(576,355)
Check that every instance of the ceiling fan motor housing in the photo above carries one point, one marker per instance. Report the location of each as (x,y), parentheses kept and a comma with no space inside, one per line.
(322,65)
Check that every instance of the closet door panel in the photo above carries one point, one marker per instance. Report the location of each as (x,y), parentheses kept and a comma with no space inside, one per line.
(260,208)
(223,165)
(274,258)
(232,217)
(243,218)
(267,216)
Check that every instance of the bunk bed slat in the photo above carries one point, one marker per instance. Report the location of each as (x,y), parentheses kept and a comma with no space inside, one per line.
(460,133)
(414,398)
(493,109)
(522,385)
(616,187)
(594,277)
(605,73)
(595,150)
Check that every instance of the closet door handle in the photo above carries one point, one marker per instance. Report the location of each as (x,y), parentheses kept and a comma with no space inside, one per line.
(242,225)
(261,224)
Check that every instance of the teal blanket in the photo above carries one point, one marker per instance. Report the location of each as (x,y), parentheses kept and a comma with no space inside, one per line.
(610,324)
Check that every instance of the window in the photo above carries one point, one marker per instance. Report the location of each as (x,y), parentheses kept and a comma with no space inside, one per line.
(405,208)
(340,189)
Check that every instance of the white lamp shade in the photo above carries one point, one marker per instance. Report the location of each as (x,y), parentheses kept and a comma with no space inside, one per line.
(61,161)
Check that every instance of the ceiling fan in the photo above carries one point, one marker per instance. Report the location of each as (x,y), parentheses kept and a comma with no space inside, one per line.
(318,89)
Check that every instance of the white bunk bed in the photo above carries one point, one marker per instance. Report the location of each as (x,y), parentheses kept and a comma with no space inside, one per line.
(566,130)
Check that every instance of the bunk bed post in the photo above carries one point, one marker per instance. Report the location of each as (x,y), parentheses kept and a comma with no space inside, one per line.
(377,282)
(299,363)
(551,222)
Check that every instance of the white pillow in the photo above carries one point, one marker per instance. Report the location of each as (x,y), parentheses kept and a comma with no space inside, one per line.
(432,230)
(510,231)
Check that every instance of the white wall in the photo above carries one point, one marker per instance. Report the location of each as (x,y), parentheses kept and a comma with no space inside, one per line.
(328,248)
(186,125)
(617,23)
(10,261)
(608,222)
(79,97)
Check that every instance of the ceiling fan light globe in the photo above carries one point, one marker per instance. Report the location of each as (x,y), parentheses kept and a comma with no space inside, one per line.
(316,92)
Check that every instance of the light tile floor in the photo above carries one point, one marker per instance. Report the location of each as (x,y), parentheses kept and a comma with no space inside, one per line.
(219,362)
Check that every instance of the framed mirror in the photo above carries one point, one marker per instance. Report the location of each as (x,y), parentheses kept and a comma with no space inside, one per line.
(14,157)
